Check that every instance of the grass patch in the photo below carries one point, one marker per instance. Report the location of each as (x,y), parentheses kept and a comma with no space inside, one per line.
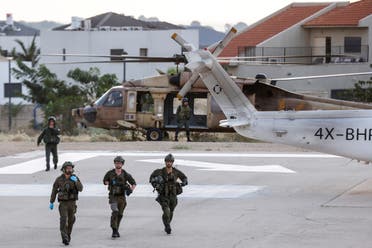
(180,147)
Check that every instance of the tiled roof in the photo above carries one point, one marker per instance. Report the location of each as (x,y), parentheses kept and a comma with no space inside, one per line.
(270,27)
(344,16)
(111,19)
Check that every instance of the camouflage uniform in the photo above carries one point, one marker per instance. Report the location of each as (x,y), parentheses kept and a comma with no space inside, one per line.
(118,188)
(51,140)
(168,188)
(67,192)
(183,120)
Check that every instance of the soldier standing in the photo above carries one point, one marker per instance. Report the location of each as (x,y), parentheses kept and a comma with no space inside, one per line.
(167,183)
(51,139)
(183,118)
(67,187)
(120,183)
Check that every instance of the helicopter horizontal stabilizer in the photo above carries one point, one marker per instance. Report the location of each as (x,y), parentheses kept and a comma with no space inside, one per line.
(233,123)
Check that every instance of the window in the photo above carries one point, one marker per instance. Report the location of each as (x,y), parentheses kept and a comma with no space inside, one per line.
(143,52)
(114,99)
(131,104)
(353,44)
(200,106)
(12,90)
(117,52)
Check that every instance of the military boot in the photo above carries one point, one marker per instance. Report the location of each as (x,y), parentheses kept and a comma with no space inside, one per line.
(47,168)
(55,166)
(65,242)
(168,229)
(115,233)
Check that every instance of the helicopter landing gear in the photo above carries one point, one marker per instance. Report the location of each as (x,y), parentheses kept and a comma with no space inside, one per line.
(154,134)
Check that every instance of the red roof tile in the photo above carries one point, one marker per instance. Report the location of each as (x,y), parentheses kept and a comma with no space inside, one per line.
(348,15)
(272,26)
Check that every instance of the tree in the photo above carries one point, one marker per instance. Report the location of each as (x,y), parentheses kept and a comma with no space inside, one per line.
(92,83)
(30,54)
(56,96)
(362,92)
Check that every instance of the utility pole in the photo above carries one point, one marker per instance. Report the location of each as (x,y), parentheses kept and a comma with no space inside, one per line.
(10,91)
(124,66)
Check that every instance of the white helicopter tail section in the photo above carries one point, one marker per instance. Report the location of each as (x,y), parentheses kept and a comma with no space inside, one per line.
(234,104)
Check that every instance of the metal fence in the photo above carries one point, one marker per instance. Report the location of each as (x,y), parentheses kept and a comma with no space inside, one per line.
(305,55)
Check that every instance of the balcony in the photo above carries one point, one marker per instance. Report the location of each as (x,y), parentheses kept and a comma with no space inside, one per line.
(304,55)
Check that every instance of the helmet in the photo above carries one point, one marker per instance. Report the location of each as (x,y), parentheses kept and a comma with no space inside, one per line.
(52,118)
(169,157)
(67,163)
(119,159)
(185,99)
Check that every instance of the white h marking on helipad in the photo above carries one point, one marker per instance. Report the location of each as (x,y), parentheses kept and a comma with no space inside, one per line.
(142,190)
(225,167)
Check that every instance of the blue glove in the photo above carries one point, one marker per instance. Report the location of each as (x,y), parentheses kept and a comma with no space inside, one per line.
(73,178)
(113,182)
(51,206)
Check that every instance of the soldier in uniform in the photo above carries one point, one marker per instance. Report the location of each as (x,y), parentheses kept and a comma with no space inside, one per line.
(51,139)
(120,183)
(168,182)
(183,118)
(66,187)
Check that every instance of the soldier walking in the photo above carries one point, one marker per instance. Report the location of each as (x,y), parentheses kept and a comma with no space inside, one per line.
(183,118)
(67,188)
(168,182)
(50,137)
(120,184)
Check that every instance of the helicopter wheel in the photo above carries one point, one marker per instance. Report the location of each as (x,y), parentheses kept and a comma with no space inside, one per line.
(154,134)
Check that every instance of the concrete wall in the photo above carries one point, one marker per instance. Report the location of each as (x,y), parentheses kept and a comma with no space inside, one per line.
(22,121)
(8,42)
(158,43)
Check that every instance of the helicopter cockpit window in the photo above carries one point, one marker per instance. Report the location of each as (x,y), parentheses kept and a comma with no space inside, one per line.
(114,99)
(200,106)
(145,102)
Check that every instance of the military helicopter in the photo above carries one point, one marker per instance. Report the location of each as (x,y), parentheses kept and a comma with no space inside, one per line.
(345,130)
(149,105)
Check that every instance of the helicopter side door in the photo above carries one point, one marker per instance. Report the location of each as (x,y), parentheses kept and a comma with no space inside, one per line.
(199,110)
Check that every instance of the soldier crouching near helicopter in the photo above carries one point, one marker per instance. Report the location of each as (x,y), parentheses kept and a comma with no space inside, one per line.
(120,183)
(67,187)
(166,183)
(183,118)
(51,139)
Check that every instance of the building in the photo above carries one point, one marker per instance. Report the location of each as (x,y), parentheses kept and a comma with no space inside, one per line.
(112,34)
(305,39)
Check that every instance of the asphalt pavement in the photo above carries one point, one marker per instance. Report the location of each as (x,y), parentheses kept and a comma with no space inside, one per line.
(234,199)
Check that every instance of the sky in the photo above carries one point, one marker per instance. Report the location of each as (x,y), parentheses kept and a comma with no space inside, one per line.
(215,13)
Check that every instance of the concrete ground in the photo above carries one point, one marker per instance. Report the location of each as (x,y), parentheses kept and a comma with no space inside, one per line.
(240,195)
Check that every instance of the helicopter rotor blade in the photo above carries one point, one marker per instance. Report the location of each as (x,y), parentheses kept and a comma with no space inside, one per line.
(221,45)
(111,62)
(187,46)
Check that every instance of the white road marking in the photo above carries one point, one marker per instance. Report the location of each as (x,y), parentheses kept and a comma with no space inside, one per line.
(184,154)
(142,190)
(38,164)
(224,167)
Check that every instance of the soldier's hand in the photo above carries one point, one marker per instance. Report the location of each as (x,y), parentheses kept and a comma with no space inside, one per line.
(51,206)
(73,178)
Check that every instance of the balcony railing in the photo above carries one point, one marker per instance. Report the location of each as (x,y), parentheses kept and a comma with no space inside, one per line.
(304,55)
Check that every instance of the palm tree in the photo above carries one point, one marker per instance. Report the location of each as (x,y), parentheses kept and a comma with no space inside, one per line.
(31,53)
